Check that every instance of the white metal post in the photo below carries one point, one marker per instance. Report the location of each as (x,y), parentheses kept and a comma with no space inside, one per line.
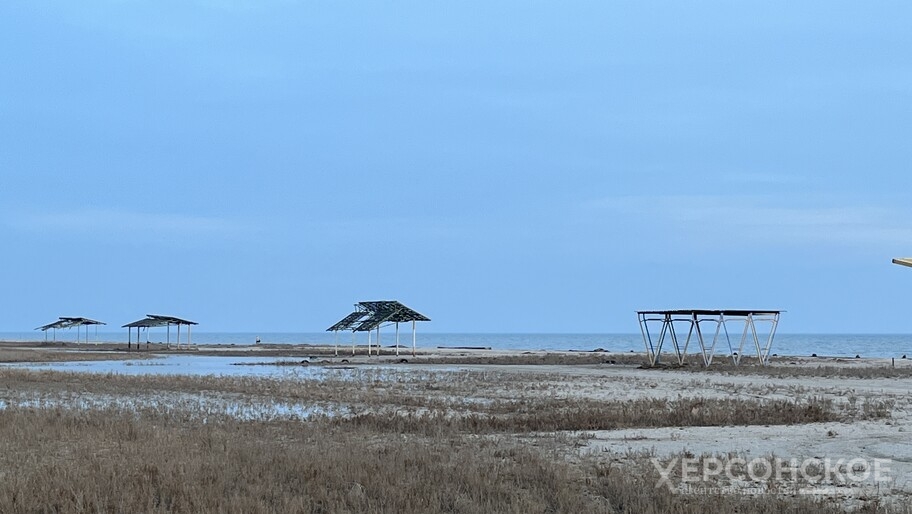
(413,338)
(661,341)
(674,338)
(712,349)
(769,342)
(756,339)
(743,340)
(397,339)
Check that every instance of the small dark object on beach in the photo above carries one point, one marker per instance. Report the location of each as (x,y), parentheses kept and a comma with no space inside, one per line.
(775,355)
(344,361)
(305,362)
(904,356)
(610,361)
(813,355)
(857,356)
(599,350)
(403,361)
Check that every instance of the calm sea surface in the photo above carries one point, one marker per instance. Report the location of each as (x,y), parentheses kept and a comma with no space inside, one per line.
(849,345)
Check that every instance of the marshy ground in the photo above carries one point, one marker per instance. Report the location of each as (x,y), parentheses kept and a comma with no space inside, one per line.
(442,432)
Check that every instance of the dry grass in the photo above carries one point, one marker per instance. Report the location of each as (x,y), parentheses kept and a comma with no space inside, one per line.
(556,416)
(534,358)
(408,442)
(66,461)
(14,355)
(115,460)
(794,369)
(423,402)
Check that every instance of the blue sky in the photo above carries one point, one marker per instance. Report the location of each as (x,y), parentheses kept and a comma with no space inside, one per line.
(499,166)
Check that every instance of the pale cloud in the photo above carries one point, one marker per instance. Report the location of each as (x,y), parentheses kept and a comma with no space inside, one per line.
(768,219)
(745,177)
(114,222)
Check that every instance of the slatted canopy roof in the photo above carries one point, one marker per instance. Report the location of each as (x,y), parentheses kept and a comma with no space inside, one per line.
(369,315)
(157,320)
(712,312)
(69,322)
(348,322)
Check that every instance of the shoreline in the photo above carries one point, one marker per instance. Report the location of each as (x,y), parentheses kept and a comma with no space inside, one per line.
(326,354)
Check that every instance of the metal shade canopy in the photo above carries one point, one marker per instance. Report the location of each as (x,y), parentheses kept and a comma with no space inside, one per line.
(372,315)
(719,320)
(69,322)
(157,320)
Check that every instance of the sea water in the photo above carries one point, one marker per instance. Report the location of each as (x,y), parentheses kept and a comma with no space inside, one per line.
(839,345)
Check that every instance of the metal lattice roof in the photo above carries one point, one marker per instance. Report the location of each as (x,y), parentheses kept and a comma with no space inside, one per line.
(711,312)
(155,320)
(370,315)
(69,322)
(347,322)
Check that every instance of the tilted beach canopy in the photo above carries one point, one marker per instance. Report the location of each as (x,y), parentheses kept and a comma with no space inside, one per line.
(903,261)
(69,322)
(372,315)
